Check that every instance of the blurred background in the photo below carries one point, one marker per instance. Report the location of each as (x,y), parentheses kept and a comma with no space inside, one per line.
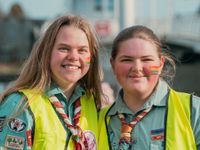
(176,22)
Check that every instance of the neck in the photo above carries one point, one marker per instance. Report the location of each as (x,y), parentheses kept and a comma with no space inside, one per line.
(134,102)
(68,90)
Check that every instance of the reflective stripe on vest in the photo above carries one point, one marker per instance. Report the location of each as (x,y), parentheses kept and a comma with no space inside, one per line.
(179,133)
(49,132)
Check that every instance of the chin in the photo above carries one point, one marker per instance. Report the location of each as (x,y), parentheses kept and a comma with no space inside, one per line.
(137,85)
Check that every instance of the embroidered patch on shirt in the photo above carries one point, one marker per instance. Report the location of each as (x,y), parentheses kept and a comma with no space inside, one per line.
(16,125)
(157,134)
(157,137)
(158,131)
(14,142)
(91,140)
(2,119)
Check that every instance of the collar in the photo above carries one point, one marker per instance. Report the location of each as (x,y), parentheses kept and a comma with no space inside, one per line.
(159,96)
(55,89)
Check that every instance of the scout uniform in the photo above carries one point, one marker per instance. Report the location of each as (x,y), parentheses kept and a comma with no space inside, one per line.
(150,129)
(42,125)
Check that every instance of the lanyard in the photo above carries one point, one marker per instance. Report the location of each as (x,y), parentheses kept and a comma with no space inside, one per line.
(77,134)
(126,129)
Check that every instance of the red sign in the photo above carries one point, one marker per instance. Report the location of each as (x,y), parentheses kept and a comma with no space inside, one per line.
(102,28)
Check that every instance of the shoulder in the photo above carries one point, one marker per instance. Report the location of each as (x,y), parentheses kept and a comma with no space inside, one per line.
(196,99)
(14,122)
(10,102)
(195,103)
(195,117)
(12,98)
(102,114)
(103,111)
(195,110)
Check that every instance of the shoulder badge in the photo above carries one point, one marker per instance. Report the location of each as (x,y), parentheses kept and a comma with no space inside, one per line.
(16,125)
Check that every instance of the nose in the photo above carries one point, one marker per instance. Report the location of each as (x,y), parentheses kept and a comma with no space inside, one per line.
(137,66)
(73,55)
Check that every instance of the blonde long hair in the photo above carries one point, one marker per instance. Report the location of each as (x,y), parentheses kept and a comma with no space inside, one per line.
(36,72)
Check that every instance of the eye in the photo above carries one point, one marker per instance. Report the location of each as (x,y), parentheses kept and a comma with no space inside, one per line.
(83,50)
(63,48)
(148,59)
(126,60)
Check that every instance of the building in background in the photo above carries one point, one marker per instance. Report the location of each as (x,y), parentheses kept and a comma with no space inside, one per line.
(165,17)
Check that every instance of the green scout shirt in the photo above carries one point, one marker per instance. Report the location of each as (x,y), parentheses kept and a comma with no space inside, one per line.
(153,123)
(26,118)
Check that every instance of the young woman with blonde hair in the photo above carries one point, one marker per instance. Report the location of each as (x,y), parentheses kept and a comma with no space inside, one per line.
(53,103)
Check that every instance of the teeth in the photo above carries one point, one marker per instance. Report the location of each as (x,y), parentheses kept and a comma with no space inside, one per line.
(71,67)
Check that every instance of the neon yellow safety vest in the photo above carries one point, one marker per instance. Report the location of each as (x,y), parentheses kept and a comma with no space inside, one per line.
(179,134)
(49,132)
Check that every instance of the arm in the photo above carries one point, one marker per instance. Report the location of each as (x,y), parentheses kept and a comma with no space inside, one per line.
(16,123)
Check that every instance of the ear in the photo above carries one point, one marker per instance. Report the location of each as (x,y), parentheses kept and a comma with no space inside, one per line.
(162,62)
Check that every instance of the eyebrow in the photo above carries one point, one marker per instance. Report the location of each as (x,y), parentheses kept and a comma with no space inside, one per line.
(148,56)
(126,56)
(67,45)
(132,57)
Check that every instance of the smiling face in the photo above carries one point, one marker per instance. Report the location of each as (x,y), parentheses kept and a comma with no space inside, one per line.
(70,59)
(137,66)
